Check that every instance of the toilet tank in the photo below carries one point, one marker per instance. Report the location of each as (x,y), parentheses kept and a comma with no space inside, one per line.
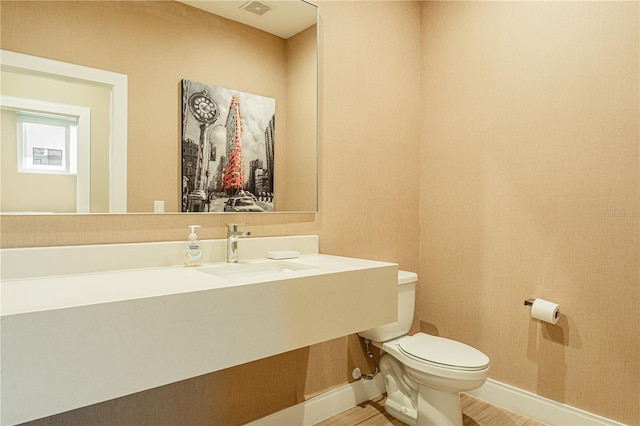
(406,303)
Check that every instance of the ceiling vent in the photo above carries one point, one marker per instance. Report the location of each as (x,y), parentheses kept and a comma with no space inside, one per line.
(257,7)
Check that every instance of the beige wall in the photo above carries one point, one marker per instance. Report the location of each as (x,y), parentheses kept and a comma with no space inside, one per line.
(530,141)
(299,177)
(503,190)
(368,208)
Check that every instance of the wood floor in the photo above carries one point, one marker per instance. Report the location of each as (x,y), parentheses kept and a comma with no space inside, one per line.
(474,413)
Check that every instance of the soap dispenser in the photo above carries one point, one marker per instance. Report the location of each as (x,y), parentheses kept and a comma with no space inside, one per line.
(192,248)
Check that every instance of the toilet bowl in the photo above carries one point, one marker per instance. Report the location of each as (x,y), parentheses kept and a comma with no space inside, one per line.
(424,374)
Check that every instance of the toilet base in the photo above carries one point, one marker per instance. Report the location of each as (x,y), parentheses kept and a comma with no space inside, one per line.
(416,404)
(404,414)
(402,394)
(436,407)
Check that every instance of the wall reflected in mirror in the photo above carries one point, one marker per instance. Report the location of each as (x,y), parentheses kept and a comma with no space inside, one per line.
(157,44)
(53,107)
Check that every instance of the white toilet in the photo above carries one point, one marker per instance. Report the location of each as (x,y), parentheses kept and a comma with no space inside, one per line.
(423,373)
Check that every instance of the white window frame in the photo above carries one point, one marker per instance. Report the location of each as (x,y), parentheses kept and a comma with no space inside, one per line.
(69,164)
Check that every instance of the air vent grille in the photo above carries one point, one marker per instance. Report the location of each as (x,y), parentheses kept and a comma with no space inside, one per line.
(257,7)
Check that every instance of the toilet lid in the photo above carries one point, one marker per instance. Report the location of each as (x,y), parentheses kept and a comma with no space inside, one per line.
(445,352)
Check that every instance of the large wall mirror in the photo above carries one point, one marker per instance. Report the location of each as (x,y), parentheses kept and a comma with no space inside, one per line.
(269,49)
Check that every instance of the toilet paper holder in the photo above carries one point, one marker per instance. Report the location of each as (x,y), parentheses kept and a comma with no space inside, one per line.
(543,310)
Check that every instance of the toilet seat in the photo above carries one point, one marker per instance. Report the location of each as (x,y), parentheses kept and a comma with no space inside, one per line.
(444,353)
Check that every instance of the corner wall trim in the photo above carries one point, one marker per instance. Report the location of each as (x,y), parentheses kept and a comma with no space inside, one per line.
(537,407)
(519,401)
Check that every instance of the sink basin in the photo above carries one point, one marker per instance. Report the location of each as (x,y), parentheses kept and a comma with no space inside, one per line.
(248,270)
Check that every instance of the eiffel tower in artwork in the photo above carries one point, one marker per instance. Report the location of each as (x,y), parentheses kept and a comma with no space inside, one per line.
(233,175)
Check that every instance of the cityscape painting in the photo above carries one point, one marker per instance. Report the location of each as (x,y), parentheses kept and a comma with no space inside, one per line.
(227,149)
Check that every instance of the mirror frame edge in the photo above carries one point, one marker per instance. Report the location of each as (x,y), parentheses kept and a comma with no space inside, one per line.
(118,84)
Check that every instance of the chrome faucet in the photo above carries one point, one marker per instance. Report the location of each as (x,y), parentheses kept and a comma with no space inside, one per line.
(233,235)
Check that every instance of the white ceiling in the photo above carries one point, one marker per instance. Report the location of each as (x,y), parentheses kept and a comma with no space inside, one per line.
(285,19)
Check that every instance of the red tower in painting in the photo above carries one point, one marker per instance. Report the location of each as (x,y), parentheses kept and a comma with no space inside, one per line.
(233,175)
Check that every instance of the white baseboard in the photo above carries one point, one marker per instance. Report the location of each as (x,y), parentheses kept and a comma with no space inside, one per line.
(326,405)
(513,399)
(537,407)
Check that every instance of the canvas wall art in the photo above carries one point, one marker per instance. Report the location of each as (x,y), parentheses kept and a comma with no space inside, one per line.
(227,149)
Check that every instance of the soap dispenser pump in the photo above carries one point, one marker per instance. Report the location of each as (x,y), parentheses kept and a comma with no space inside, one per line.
(192,248)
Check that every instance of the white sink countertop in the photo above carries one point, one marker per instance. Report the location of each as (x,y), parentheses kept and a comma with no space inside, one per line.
(78,331)
(66,291)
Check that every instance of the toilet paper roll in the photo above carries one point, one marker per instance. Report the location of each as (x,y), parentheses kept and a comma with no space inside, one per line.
(544,310)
